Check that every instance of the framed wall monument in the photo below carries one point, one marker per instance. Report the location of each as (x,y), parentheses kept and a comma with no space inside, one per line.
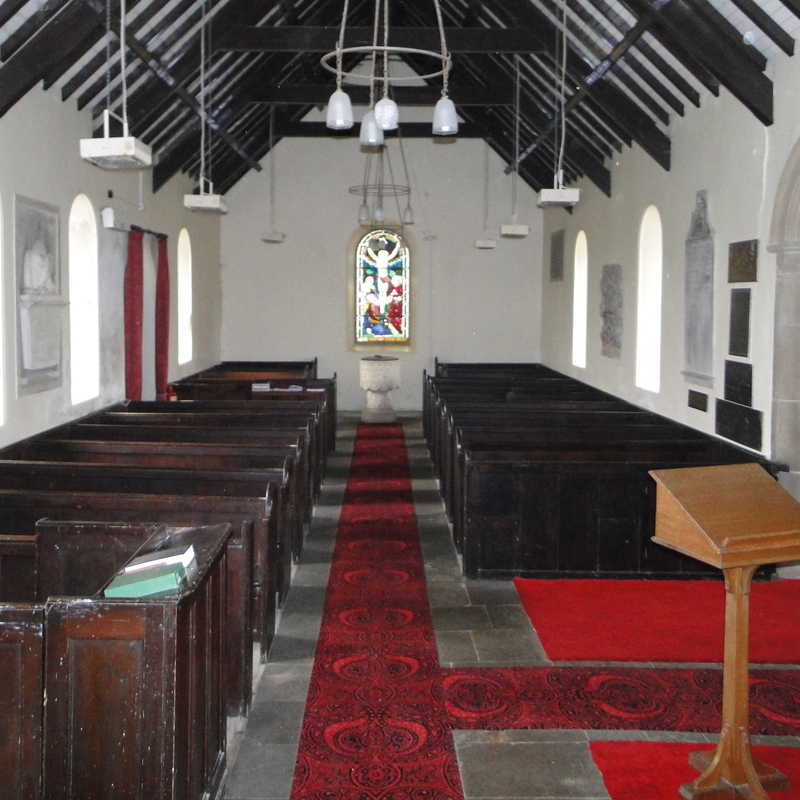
(39,299)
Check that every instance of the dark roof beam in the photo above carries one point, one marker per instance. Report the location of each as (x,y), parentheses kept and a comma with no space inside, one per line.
(313,94)
(767,24)
(319,39)
(707,43)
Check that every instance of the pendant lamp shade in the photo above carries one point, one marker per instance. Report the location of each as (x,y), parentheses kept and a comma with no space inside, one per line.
(371,134)
(339,116)
(387,114)
(379,215)
(408,215)
(445,120)
(363,214)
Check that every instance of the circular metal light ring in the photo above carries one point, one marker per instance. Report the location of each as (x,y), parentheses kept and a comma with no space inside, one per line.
(382,190)
(390,79)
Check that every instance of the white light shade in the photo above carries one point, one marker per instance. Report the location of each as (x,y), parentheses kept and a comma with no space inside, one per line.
(445,121)
(363,214)
(371,135)
(379,216)
(387,114)
(340,112)
(408,215)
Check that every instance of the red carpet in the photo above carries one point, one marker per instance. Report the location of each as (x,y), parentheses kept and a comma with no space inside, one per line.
(615,698)
(375,727)
(655,770)
(657,620)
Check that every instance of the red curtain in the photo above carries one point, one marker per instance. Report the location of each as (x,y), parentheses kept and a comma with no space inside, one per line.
(162,320)
(133,317)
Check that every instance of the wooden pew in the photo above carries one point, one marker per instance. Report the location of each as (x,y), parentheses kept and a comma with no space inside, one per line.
(75,681)
(314,405)
(569,514)
(20,509)
(275,466)
(553,455)
(241,389)
(219,418)
(270,486)
(269,438)
(291,369)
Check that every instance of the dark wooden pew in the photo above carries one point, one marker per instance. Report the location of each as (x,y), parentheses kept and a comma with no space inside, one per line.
(176,414)
(552,457)
(75,667)
(248,390)
(88,430)
(291,369)
(20,509)
(295,490)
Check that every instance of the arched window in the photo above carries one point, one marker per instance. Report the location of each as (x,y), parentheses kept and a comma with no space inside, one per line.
(383,290)
(185,340)
(648,307)
(580,298)
(84,306)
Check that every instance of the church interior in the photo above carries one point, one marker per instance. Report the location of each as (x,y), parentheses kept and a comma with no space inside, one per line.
(450,444)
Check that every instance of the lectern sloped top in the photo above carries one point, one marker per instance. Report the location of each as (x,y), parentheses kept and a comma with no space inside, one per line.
(728,516)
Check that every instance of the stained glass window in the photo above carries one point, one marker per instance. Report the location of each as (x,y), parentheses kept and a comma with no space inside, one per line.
(382,288)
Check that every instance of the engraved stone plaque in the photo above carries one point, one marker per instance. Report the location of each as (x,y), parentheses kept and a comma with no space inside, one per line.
(611,310)
(557,255)
(739,382)
(699,286)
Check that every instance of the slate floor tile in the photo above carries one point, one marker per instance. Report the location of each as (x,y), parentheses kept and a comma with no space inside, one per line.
(456,647)
(460,618)
(275,722)
(447,593)
(562,770)
(498,645)
(262,771)
(509,617)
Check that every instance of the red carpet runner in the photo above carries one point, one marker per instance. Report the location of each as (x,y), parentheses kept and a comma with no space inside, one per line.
(657,620)
(621,698)
(375,724)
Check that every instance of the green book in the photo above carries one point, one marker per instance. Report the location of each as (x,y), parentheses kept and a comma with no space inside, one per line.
(159,581)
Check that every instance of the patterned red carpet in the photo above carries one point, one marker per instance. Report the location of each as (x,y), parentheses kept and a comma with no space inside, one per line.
(615,698)
(659,619)
(375,724)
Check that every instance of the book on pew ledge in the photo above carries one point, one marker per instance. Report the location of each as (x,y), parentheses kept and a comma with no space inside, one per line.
(160,581)
(183,555)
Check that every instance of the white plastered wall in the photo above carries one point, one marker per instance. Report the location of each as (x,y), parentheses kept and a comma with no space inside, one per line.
(290,300)
(723,149)
(39,159)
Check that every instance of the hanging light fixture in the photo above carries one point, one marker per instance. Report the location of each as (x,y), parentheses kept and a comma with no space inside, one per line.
(385,114)
(116,152)
(376,187)
(273,235)
(514,229)
(339,116)
(560,196)
(205,200)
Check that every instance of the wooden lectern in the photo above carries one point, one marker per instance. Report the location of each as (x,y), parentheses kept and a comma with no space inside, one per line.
(735,517)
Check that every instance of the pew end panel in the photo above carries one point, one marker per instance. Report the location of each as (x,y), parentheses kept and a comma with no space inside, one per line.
(21,666)
(135,696)
(18,568)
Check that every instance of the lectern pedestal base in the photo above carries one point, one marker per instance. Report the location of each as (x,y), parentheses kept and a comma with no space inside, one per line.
(763,778)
